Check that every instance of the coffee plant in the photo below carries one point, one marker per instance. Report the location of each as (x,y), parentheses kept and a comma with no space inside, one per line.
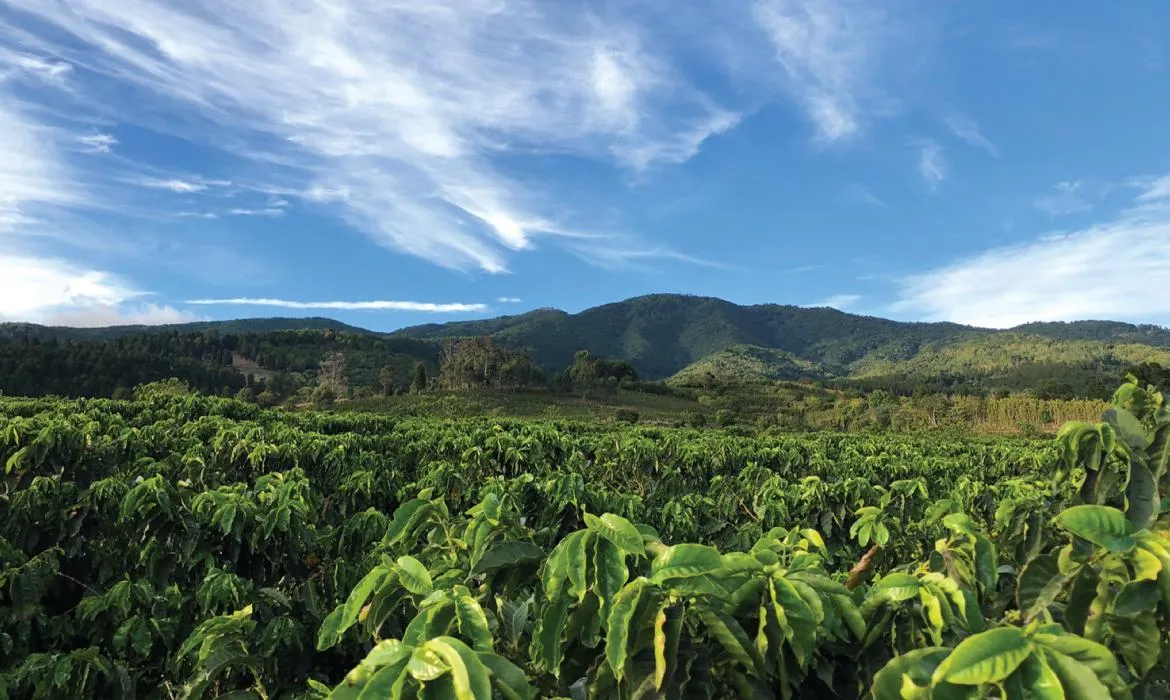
(195,547)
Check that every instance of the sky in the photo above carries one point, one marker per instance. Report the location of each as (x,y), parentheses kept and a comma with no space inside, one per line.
(394,162)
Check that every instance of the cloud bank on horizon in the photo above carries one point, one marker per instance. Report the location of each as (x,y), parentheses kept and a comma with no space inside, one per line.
(170,161)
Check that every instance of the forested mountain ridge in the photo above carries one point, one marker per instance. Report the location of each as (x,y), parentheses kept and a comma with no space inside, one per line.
(695,341)
(241,325)
(663,334)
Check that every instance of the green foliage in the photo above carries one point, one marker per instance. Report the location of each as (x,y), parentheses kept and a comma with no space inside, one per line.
(188,546)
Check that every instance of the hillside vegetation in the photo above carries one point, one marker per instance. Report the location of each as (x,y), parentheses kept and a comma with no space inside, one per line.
(692,341)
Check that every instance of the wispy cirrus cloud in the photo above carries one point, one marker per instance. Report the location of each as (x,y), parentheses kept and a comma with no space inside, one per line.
(967,129)
(181,185)
(508,300)
(1067,197)
(839,301)
(97,143)
(336,93)
(932,163)
(1059,277)
(828,50)
(271,212)
(374,305)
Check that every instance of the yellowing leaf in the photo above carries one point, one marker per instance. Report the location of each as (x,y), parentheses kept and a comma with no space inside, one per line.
(987,657)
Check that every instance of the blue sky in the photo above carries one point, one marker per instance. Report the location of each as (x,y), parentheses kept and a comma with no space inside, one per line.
(395,162)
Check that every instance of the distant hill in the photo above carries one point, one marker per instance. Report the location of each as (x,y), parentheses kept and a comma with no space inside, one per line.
(243,325)
(665,335)
(746,363)
(691,339)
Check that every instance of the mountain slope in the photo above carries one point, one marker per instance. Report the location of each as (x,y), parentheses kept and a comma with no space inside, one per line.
(242,325)
(662,333)
(665,335)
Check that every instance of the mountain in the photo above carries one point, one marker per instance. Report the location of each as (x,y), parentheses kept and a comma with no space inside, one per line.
(664,335)
(242,325)
(692,340)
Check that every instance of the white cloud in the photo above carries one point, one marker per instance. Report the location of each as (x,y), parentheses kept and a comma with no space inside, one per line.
(31,171)
(508,300)
(827,49)
(968,130)
(1067,198)
(932,164)
(1115,269)
(378,305)
(174,184)
(1153,189)
(99,315)
(97,143)
(617,256)
(339,94)
(33,287)
(267,211)
(839,301)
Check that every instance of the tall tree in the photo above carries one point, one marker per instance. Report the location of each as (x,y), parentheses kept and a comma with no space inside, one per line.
(420,378)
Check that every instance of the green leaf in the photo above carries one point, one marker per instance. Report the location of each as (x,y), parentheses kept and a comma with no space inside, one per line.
(610,573)
(987,657)
(507,554)
(618,530)
(1142,501)
(385,680)
(577,555)
(1139,640)
(1035,680)
(468,674)
(909,676)
(1078,681)
(1158,452)
(545,650)
(405,518)
(1080,599)
(851,615)
(731,636)
(895,587)
(915,668)
(514,618)
(414,576)
(1127,427)
(346,614)
(824,584)
(1103,526)
(683,561)
(798,619)
(621,613)
(472,620)
(1040,583)
(1136,598)
(667,632)
(986,565)
(508,678)
(426,664)
(556,569)
(1084,653)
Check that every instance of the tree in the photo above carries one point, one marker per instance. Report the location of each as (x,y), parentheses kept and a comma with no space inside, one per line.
(420,378)
(331,374)
(475,363)
(584,372)
(386,380)
(323,397)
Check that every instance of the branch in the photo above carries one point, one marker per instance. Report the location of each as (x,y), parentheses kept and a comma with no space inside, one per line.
(861,568)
